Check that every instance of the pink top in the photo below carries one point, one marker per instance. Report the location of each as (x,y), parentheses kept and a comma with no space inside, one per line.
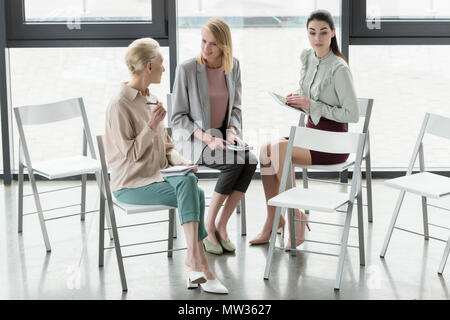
(218,96)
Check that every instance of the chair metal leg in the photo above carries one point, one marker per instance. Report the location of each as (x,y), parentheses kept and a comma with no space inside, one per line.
(39,212)
(83,196)
(293,236)
(175,225)
(444,257)
(170,238)
(369,188)
(305,182)
(117,247)
(425,218)
(20,204)
(273,239)
(101,232)
(344,243)
(362,259)
(108,223)
(243,216)
(392,223)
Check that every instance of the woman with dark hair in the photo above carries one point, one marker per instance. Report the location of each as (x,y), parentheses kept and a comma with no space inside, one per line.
(327,94)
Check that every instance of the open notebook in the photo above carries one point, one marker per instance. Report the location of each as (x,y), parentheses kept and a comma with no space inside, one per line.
(177,170)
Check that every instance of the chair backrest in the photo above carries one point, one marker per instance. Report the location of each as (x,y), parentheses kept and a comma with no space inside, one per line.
(50,113)
(106,186)
(326,141)
(432,124)
(365,111)
(169,109)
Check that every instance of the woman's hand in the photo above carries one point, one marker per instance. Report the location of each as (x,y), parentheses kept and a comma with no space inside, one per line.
(232,138)
(157,115)
(215,143)
(297,101)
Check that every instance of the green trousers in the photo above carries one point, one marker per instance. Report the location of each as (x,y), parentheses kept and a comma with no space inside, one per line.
(178,191)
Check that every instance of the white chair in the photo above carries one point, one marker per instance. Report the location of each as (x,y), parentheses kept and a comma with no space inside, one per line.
(365,112)
(111,201)
(241,208)
(424,184)
(319,199)
(53,168)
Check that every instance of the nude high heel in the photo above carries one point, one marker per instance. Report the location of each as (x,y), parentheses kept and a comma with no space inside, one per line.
(256,241)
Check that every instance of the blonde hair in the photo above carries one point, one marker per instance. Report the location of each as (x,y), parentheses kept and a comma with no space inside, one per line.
(139,53)
(221,31)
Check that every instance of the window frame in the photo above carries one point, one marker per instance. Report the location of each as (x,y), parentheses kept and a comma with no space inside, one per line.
(26,34)
(407,32)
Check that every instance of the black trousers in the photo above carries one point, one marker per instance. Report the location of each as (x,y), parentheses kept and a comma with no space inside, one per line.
(236,168)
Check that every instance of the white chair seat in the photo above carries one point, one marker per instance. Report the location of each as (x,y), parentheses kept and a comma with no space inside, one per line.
(331,167)
(66,167)
(137,208)
(424,183)
(310,199)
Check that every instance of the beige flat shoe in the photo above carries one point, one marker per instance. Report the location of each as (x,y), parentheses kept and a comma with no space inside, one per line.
(212,248)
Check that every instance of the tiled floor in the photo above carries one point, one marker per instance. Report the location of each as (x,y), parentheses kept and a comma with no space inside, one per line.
(70,271)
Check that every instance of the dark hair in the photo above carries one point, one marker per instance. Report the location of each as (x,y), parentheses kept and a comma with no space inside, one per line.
(324,15)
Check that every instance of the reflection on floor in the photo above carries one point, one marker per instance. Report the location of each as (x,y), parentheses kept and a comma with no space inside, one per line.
(71,271)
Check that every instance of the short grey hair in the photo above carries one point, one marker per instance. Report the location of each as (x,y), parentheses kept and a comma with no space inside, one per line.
(140,52)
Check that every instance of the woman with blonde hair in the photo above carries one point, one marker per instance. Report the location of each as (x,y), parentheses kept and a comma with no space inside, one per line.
(206,117)
(138,147)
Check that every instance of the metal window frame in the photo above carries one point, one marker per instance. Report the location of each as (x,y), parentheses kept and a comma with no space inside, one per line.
(15,33)
(395,32)
(19,30)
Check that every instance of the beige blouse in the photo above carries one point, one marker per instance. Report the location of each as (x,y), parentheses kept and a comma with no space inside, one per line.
(135,153)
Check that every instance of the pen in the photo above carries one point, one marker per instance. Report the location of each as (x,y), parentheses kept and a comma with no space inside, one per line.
(151,103)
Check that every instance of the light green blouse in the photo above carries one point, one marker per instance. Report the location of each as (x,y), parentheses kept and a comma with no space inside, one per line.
(328,83)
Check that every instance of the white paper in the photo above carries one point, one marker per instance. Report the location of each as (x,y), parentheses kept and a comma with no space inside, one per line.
(234,147)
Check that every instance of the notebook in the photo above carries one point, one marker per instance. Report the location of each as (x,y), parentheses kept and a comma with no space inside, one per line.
(177,171)
(282,101)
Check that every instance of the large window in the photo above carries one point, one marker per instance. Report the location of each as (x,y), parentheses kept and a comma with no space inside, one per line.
(398,50)
(268,37)
(406,82)
(43,75)
(61,49)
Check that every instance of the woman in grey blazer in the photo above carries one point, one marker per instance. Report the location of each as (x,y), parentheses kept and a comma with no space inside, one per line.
(206,116)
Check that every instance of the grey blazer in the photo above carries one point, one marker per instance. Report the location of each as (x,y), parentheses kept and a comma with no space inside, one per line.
(191,108)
